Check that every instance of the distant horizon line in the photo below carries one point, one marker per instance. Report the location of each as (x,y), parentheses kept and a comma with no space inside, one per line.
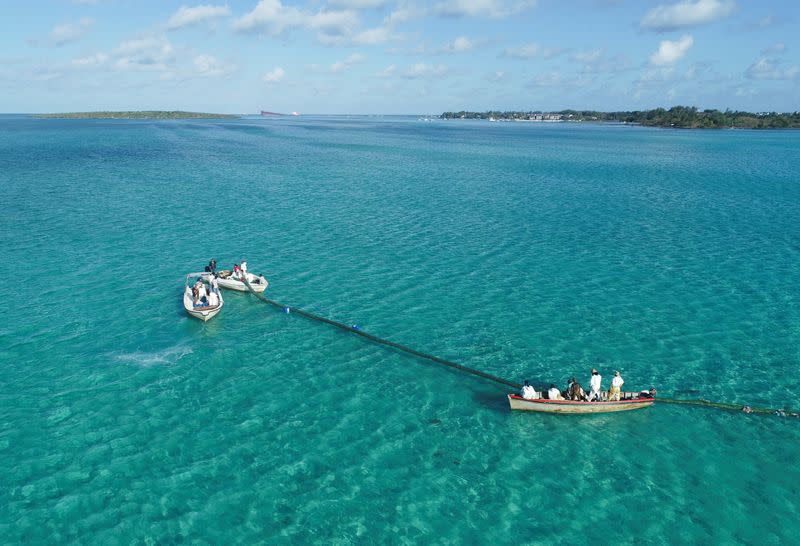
(490,110)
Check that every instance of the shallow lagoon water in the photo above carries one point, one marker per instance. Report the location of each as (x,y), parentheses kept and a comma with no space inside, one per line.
(525,250)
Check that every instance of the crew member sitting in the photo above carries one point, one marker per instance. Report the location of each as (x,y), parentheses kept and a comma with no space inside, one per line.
(554,393)
(616,384)
(648,394)
(575,391)
(528,392)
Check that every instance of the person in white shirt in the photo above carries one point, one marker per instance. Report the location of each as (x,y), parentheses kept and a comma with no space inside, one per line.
(212,281)
(616,384)
(528,392)
(213,299)
(201,291)
(554,393)
(595,383)
(243,267)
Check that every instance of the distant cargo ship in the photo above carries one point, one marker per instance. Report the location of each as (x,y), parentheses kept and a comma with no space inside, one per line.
(265,113)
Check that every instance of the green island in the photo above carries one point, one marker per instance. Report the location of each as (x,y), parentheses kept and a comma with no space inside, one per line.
(138,114)
(683,117)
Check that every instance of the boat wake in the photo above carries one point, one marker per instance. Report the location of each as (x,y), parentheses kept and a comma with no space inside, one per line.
(167,356)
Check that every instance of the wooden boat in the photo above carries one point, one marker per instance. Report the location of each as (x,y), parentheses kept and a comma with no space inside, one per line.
(204,312)
(569,406)
(226,280)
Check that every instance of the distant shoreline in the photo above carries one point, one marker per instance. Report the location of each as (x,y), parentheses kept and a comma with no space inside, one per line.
(137,114)
(678,117)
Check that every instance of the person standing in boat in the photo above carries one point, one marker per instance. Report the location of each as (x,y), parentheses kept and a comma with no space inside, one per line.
(616,387)
(554,393)
(595,382)
(213,284)
(243,269)
(236,272)
(212,266)
(213,298)
(201,290)
(528,392)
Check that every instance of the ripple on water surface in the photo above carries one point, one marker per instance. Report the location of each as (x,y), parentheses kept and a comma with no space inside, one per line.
(521,250)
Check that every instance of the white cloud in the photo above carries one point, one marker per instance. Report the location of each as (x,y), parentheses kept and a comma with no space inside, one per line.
(357,4)
(461,44)
(656,75)
(774,49)
(493,9)
(688,13)
(145,53)
(588,57)
(90,61)
(403,14)
(765,22)
(274,76)
(373,36)
(670,51)
(211,67)
(187,16)
(387,72)
(745,92)
(422,70)
(69,32)
(272,17)
(766,68)
(530,51)
(353,59)
(547,79)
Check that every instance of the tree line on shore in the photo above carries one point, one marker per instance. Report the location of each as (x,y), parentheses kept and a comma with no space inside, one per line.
(687,117)
(138,114)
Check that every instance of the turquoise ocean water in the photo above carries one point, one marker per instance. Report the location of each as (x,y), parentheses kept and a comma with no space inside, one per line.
(528,251)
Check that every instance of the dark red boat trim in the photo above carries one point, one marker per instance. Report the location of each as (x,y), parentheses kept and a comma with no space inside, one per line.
(578,403)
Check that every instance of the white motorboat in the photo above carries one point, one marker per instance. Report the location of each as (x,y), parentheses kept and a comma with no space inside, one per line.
(202,310)
(226,279)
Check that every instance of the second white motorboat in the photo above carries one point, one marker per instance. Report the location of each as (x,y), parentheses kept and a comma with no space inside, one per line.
(226,279)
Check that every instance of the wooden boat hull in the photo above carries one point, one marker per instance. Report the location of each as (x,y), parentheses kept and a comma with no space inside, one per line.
(568,406)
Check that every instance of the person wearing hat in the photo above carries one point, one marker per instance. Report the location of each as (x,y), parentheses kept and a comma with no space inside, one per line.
(554,393)
(528,392)
(595,383)
(616,385)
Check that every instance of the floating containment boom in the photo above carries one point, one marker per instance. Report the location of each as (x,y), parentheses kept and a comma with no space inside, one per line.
(355,329)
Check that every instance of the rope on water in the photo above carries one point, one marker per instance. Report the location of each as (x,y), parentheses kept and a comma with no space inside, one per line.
(375,339)
(729,407)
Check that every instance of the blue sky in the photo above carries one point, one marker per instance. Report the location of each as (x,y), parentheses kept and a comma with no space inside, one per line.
(390,56)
